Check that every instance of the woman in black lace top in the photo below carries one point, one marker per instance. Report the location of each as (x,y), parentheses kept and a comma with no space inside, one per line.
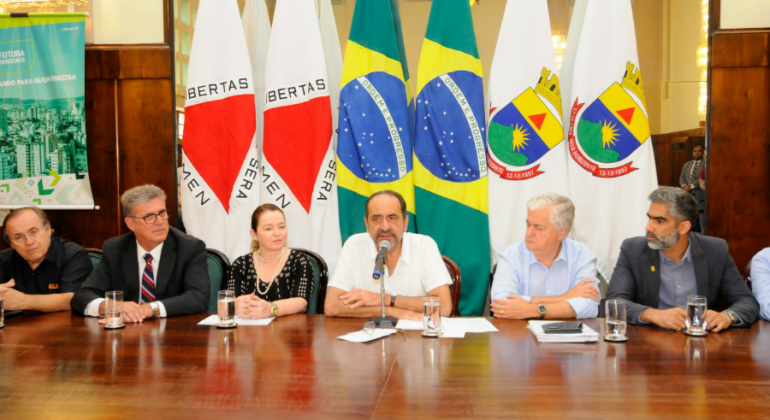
(273,280)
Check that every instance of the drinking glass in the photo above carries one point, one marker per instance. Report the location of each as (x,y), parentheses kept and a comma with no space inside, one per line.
(696,315)
(113,309)
(615,320)
(431,316)
(226,308)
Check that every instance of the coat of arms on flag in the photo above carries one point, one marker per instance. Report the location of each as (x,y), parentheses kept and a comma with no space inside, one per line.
(611,128)
(526,129)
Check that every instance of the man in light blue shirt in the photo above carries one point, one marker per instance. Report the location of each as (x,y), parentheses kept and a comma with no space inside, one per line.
(760,281)
(546,275)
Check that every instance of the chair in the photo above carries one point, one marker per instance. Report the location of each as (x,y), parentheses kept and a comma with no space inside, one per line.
(456,288)
(488,303)
(96,255)
(603,293)
(219,270)
(320,278)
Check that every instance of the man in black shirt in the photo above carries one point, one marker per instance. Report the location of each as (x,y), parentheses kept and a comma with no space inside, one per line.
(39,272)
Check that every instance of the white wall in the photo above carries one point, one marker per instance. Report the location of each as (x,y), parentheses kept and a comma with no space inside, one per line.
(127,22)
(737,14)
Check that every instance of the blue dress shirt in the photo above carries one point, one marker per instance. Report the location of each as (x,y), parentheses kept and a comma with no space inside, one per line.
(677,281)
(760,281)
(520,273)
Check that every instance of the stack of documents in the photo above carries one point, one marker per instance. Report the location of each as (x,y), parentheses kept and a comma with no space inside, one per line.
(587,336)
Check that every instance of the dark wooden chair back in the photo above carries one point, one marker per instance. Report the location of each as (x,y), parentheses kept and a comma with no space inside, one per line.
(456,288)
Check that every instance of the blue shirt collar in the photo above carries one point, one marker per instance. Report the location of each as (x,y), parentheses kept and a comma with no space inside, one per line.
(686,259)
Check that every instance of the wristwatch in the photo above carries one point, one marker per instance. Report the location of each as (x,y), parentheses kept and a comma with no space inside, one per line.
(155,309)
(733,317)
(541,309)
(393,299)
(274,309)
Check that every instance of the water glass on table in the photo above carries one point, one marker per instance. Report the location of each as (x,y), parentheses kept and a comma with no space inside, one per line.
(615,320)
(113,310)
(696,315)
(226,308)
(431,316)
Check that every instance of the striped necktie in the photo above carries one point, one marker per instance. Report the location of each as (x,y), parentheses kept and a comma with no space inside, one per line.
(148,281)
(693,175)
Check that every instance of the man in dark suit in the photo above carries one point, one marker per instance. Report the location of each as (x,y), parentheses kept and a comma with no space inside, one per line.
(689,179)
(161,271)
(656,274)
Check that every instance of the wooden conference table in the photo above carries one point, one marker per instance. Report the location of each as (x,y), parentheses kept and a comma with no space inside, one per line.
(59,366)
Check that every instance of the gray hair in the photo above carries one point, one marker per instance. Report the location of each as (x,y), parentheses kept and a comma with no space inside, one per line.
(562,211)
(681,204)
(139,195)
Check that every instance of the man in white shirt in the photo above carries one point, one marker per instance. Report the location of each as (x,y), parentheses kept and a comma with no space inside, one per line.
(161,271)
(414,261)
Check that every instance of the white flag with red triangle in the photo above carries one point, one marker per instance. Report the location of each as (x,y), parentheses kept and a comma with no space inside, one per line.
(299,166)
(220,182)
(256,27)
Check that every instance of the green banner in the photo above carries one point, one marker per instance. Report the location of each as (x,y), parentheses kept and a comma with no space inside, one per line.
(43,159)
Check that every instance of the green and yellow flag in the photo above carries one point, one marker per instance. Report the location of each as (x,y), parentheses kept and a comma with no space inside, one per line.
(374,149)
(450,148)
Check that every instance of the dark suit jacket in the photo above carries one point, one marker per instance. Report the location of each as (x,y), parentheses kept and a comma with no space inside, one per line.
(182,283)
(635,281)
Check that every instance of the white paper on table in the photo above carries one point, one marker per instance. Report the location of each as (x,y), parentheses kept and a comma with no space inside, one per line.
(240,321)
(469,325)
(456,325)
(409,325)
(363,336)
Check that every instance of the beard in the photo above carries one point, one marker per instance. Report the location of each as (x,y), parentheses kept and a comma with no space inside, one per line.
(662,242)
(393,242)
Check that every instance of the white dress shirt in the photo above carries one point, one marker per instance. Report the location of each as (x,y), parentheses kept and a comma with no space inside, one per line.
(419,270)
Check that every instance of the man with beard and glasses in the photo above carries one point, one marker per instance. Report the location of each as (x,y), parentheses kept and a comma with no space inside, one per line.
(656,274)
(414,263)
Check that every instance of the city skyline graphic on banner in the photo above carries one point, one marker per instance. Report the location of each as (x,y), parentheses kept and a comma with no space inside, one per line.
(43,156)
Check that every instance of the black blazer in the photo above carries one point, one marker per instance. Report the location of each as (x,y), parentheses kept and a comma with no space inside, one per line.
(182,283)
(635,280)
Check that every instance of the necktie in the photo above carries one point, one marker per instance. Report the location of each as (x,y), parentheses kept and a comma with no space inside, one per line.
(148,281)
(693,175)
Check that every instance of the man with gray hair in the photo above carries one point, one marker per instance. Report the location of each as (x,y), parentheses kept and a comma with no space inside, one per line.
(546,275)
(40,271)
(161,271)
(656,273)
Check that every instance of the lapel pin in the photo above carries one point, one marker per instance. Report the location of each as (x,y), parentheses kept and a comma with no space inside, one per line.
(652,267)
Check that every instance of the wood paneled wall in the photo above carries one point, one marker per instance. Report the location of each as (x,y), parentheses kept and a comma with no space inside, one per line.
(673,150)
(739,155)
(130,127)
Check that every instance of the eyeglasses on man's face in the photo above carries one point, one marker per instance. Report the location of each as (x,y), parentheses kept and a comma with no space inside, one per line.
(153,217)
(33,234)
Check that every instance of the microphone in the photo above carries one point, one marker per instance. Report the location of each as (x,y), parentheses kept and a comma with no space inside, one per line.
(379,265)
(382,259)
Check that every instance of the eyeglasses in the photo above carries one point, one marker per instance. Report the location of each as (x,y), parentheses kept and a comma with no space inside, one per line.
(33,233)
(152,218)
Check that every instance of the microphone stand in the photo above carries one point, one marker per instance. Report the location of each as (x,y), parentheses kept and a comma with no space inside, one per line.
(378,320)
